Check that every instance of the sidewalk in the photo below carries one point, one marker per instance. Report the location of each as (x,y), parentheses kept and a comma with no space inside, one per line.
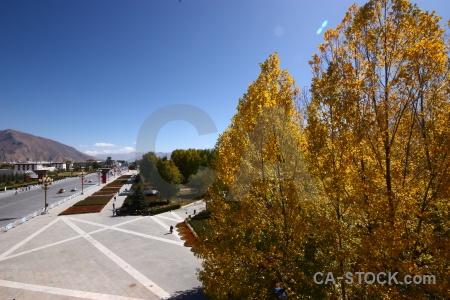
(98,256)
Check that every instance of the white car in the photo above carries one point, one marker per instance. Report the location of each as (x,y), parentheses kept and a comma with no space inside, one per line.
(73,190)
(90,181)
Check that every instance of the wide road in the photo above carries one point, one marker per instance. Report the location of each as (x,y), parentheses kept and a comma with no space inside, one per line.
(13,207)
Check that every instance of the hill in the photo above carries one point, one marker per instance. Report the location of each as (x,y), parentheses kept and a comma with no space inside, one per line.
(20,146)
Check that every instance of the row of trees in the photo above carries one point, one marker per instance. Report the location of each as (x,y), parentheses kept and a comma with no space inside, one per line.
(12,177)
(189,161)
(355,177)
(190,166)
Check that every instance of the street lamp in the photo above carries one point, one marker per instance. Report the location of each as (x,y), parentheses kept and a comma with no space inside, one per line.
(82,174)
(99,173)
(46,183)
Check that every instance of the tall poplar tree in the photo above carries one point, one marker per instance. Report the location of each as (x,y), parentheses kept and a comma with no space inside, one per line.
(263,199)
(379,142)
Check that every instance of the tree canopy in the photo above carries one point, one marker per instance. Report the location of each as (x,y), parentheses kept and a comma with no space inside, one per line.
(378,141)
(360,183)
(160,173)
(263,198)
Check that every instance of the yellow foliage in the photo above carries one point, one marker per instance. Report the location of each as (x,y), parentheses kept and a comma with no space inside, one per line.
(263,200)
(378,139)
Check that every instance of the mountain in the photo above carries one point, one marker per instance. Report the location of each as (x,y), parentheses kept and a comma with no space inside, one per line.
(20,146)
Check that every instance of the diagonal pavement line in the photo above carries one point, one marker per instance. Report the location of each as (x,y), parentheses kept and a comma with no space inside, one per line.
(167,218)
(40,248)
(129,221)
(146,282)
(160,222)
(50,245)
(62,292)
(26,240)
(148,236)
(163,225)
(126,231)
(177,216)
(89,222)
(103,225)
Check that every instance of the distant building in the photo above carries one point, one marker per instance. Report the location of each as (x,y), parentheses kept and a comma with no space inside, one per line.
(59,166)
(30,167)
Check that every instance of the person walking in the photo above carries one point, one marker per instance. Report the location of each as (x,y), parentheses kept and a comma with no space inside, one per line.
(114,209)
(171,228)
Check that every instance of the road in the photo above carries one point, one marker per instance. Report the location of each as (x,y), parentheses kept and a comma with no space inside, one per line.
(13,207)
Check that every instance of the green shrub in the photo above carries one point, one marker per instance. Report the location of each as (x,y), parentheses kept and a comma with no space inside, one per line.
(204,214)
(162,209)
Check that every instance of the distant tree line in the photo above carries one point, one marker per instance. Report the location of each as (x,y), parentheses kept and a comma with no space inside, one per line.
(184,166)
(12,177)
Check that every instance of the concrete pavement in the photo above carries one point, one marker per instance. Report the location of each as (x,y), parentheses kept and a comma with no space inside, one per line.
(98,256)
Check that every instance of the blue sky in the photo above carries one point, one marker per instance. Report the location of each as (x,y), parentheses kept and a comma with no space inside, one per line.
(88,73)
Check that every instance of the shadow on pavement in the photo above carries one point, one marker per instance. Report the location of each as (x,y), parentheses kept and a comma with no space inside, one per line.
(192,294)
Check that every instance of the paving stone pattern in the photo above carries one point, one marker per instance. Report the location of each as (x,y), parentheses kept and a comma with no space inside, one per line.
(99,256)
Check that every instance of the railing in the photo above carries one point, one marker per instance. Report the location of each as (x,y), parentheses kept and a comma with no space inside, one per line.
(41,211)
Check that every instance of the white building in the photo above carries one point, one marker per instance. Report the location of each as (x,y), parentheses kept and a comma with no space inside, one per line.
(30,167)
(59,166)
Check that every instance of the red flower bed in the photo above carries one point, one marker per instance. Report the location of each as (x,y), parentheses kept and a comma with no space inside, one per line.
(186,235)
(82,209)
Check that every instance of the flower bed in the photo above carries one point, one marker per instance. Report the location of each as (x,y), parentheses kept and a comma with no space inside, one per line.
(82,209)
(186,235)
(96,202)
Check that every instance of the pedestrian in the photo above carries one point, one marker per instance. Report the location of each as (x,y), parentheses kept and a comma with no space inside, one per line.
(195,211)
(171,228)
(114,198)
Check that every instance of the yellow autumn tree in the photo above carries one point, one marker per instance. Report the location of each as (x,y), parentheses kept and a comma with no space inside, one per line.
(263,200)
(379,143)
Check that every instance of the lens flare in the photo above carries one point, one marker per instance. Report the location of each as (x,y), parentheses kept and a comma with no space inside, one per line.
(324,23)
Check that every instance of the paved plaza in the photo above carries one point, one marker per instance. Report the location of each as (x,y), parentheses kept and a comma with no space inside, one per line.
(98,256)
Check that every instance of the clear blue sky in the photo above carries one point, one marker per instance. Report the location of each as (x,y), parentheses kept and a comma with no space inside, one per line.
(87,73)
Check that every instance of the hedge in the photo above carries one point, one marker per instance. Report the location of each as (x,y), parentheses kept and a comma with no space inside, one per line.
(160,210)
(204,214)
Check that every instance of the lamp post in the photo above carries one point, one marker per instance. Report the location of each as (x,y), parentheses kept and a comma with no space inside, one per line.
(46,183)
(82,174)
(99,174)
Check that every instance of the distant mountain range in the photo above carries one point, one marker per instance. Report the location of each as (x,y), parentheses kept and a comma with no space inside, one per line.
(20,146)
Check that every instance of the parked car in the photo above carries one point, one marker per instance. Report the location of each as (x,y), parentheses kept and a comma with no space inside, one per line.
(61,191)
(90,181)
(73,190)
